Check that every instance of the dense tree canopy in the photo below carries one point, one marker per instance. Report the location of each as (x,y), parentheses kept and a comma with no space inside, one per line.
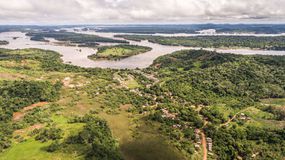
(267,43)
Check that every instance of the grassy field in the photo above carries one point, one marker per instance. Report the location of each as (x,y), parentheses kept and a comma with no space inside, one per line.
(150,147)
(131,83)
(276,101)
(119,52)
(34,150)
(127,81)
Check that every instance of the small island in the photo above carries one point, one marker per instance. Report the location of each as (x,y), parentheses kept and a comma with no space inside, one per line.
(118,52)
(4,42)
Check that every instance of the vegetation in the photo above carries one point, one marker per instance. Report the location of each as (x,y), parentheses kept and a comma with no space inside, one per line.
(253,42)
(208,81)
(97,136)
(245,142)
(14,95)
(193,28)
(159,112)
(118,52)
(223,75)
(75,38)
(48,134)
(152,29)
(42,130)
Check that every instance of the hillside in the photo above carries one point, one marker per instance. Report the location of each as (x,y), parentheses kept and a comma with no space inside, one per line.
(51,110)
(222,94)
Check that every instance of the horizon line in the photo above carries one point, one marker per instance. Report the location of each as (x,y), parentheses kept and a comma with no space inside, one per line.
(141,24)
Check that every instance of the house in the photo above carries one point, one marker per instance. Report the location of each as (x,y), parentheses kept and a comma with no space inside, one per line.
(167,114)
(209,144)
(197,136)
(243,116)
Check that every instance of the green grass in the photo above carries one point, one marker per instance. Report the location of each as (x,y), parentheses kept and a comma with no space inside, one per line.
(127,81)
(29,73)
(131,83)
(262,123)
(115,51)
(138,141)
(258,114)
(274,101)
(27,64)
(226,111)
(26,51)
(69,128)
(120,125)
(150,147)
(148,143)
(118,52)
(32,150)
(262,119)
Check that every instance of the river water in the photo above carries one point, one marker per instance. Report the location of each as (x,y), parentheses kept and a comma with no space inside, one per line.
(79,55)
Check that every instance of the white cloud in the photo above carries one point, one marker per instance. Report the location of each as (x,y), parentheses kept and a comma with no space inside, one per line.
(140,11)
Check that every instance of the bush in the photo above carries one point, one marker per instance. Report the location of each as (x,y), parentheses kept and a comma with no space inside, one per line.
(54,146)
(49,134)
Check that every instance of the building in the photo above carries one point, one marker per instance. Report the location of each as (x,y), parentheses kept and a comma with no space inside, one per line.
(209,144)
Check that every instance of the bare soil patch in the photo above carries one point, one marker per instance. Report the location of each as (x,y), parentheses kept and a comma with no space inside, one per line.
(125,107)
(19,115)
(31,128)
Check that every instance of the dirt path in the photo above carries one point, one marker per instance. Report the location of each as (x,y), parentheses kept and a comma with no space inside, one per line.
(19,115)
(230,120)
(204,144)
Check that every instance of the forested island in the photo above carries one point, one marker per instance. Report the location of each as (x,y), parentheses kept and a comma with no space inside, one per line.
(186,102)
(252,42)
(118,52)
(83,40)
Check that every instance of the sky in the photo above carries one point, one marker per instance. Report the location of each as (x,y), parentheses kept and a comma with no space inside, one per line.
(140,11)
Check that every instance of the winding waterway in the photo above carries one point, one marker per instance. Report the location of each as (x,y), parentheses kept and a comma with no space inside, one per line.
(79,55)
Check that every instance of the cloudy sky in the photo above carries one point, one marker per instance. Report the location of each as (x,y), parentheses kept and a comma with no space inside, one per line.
(141,11)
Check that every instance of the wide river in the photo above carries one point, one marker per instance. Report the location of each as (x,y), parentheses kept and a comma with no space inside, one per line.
(79,55)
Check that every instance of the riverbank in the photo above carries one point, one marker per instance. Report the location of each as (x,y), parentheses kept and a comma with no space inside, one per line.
(78,56)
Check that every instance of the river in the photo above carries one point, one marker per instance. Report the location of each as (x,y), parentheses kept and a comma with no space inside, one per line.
(79,55)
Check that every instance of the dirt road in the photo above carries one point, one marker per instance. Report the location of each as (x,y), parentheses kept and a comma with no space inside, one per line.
(204,144)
